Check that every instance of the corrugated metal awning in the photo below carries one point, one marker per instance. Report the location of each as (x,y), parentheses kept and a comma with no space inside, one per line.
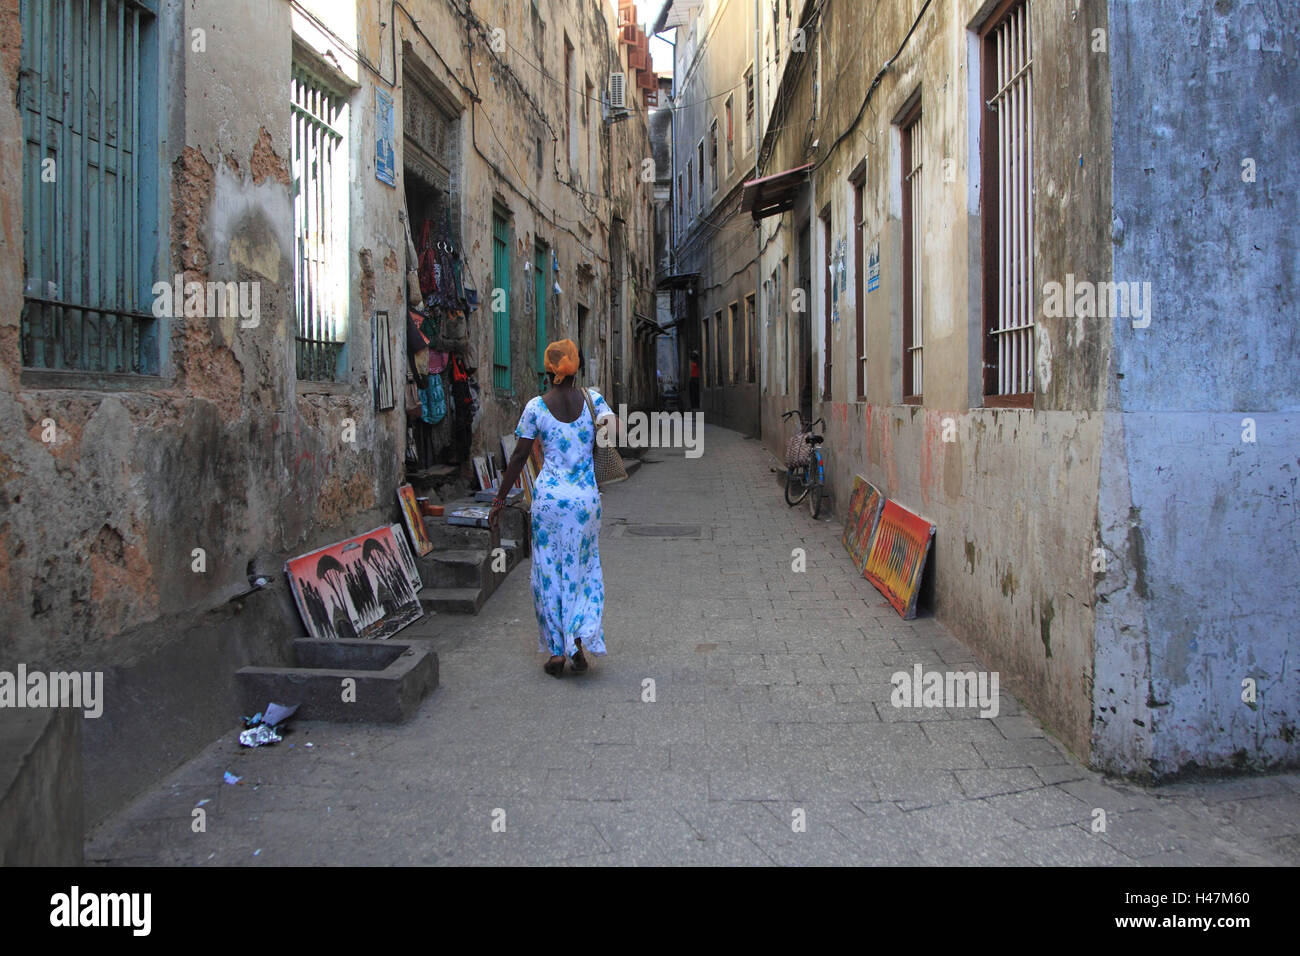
(674,13)
(773,194)
(680,280)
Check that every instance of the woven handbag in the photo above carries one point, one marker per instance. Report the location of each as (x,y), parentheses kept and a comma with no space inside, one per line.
(606,461)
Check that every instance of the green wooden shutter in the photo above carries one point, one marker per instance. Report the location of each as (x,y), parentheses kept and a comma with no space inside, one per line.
(540,275)
(500,303)
(79,93)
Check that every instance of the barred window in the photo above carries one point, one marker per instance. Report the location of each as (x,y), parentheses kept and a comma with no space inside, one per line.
(749,108)
(913,258)
(88,239)
(318,157)
(1006,145)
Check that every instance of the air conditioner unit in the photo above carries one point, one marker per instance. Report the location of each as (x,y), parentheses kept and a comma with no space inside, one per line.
(618,91)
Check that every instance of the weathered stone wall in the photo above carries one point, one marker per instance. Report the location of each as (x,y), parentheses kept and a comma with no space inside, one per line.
(225,450)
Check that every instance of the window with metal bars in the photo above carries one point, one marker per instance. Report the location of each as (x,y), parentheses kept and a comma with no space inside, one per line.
(699,149)
(858,180)
(680,217)
(731,140)
(751,338)
(713,154)
(1006,176)
(735,336)
(318,158)
(719,350)
(749,108)
(913,256)
(88,239)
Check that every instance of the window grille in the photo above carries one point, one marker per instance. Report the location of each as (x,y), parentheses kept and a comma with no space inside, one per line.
(914,307)
(318,158)
(1009,45)
(86,276)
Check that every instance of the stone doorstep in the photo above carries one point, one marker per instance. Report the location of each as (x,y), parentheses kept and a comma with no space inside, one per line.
(392,678)
(453,600)
(460,582)
(464,568)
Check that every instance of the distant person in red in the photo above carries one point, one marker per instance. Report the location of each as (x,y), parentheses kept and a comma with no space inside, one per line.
(695,380)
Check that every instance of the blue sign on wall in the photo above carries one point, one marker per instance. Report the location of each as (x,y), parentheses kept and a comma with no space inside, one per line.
(385,151)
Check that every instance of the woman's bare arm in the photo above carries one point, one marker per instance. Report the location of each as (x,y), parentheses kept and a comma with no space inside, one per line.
(515,467)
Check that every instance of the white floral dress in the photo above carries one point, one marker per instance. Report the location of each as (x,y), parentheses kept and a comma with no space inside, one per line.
(568,591)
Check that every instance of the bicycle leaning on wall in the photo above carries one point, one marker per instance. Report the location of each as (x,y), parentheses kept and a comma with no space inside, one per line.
(805,468)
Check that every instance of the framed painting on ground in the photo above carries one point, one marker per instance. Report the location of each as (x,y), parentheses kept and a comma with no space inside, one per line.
(360,587)
(414,520)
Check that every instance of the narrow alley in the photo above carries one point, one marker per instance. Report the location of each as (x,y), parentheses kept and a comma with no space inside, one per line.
(771,707)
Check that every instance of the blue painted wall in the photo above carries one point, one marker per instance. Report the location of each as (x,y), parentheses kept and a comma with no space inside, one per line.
(1202,524)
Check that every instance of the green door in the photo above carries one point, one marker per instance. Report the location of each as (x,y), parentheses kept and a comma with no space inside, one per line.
(500,303)
(540,274)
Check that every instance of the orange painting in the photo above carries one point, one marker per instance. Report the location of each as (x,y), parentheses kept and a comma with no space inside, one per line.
(865,503)
(414,522)
(897,558)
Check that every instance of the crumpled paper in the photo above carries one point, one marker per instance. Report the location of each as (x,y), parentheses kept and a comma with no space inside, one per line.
(262,726)
(259,735)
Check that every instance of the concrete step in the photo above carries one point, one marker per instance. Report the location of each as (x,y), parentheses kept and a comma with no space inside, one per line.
(464,568)
(452,537)
(453,600)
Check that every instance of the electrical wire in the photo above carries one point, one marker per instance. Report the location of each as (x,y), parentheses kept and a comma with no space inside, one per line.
(849,130)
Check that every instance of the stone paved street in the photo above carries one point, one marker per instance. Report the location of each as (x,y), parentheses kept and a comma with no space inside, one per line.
(771,697)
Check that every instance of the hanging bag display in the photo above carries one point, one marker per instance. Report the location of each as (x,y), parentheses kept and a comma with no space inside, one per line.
(434,400)
(605,460)
(414,405)
(453,333)
(428,262)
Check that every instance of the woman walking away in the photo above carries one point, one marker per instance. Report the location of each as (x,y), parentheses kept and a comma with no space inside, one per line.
(568,592)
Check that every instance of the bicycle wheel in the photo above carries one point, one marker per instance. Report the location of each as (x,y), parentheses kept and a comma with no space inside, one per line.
(793,477)
(815,486)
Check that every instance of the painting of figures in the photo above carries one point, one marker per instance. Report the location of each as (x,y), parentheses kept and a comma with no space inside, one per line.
(361,587)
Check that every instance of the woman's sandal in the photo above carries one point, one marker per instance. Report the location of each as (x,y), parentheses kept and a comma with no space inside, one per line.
(555,666)
(579,661)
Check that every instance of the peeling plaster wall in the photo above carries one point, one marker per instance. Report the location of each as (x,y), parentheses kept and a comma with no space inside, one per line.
(225,450)
(1205,521)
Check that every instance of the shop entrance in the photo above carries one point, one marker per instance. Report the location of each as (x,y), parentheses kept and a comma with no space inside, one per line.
(439,435)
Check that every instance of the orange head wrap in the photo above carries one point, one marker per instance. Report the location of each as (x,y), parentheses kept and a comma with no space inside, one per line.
(562,358)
